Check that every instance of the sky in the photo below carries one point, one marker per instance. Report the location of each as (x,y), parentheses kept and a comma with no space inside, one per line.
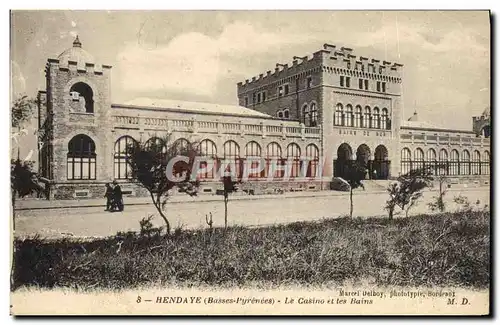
(202,55)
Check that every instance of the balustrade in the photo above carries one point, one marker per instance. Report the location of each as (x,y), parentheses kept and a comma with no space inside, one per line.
(261,128)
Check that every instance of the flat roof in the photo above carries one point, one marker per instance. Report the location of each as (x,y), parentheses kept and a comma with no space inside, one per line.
(193,107)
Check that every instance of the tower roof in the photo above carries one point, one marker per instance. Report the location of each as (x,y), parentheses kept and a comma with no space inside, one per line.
(76,53)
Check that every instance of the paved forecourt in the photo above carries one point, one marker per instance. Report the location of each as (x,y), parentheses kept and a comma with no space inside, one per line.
(94,221)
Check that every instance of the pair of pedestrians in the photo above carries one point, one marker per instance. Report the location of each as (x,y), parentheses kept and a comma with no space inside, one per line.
(114,197)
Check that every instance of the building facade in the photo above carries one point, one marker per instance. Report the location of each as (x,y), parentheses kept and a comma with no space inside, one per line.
(327,109)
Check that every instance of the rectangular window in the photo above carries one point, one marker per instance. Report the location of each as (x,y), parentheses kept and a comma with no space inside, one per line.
(309,82)
(378,85)
(341,81)
(383,87)
(263,96)
(348,82)
(246,101)
(286,89)
(280,91)
(258,98)
(253,98)
(360,83)
(366,84)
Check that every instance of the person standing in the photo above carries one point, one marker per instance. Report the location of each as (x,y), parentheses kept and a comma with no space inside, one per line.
(118,196)
(109,197)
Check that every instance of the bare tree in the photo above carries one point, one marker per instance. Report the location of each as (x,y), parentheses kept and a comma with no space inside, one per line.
(408,190)
(438,203)
(230,186)
(161,166)
(21,173)
(21,112)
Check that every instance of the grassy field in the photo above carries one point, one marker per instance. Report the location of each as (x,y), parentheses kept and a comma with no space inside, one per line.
(450,249)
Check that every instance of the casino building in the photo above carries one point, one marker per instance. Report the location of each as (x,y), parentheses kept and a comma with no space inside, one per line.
(327,109)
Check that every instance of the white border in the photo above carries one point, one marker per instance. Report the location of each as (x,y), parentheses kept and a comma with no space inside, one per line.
(186,4)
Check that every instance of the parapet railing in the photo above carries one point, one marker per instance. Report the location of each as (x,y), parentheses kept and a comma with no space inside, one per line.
(265,128)
(444,139)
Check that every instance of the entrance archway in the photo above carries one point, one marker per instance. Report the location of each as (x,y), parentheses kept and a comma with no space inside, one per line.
(363,154)
(363,158)
(344,159)
(380,166)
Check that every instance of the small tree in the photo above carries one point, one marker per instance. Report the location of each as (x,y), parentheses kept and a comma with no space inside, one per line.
(22,182)
(408,190)
(438,203)
(230,186)
(160,166)
(21,112)
(354,174)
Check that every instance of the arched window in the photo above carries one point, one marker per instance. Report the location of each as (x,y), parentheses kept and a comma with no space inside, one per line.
(431,155)
(405,160)
(358,117)
(380,164)
(312,157)
(476,163)
(253,150)
(431,160)
(485,163)
(279,114)
(274,159)
(349,115)
(182,146)
(208,151)
(293,157)
(82,98)
(443,161)
(418,159)
(465,163)
(376,118)
(367,118)
(314,115)
(81,158)
(156,145)
(383,121)
(232,158)
(338,119)
(307,115)
(122,146)
(454,163)
(286,113)
(486,131)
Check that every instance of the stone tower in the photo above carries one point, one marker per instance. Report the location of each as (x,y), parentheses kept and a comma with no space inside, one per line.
(76,102)
(481,125)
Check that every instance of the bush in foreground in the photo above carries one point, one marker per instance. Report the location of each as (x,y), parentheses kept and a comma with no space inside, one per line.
(450,249)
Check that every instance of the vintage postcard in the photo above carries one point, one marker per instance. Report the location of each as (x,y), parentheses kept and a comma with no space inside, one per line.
(250,162)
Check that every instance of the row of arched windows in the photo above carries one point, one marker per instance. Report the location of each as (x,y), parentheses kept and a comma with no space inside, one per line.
(231,153)
(451,164)
(361,118)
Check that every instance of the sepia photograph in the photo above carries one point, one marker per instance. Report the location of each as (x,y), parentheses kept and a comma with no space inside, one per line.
(250,162)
